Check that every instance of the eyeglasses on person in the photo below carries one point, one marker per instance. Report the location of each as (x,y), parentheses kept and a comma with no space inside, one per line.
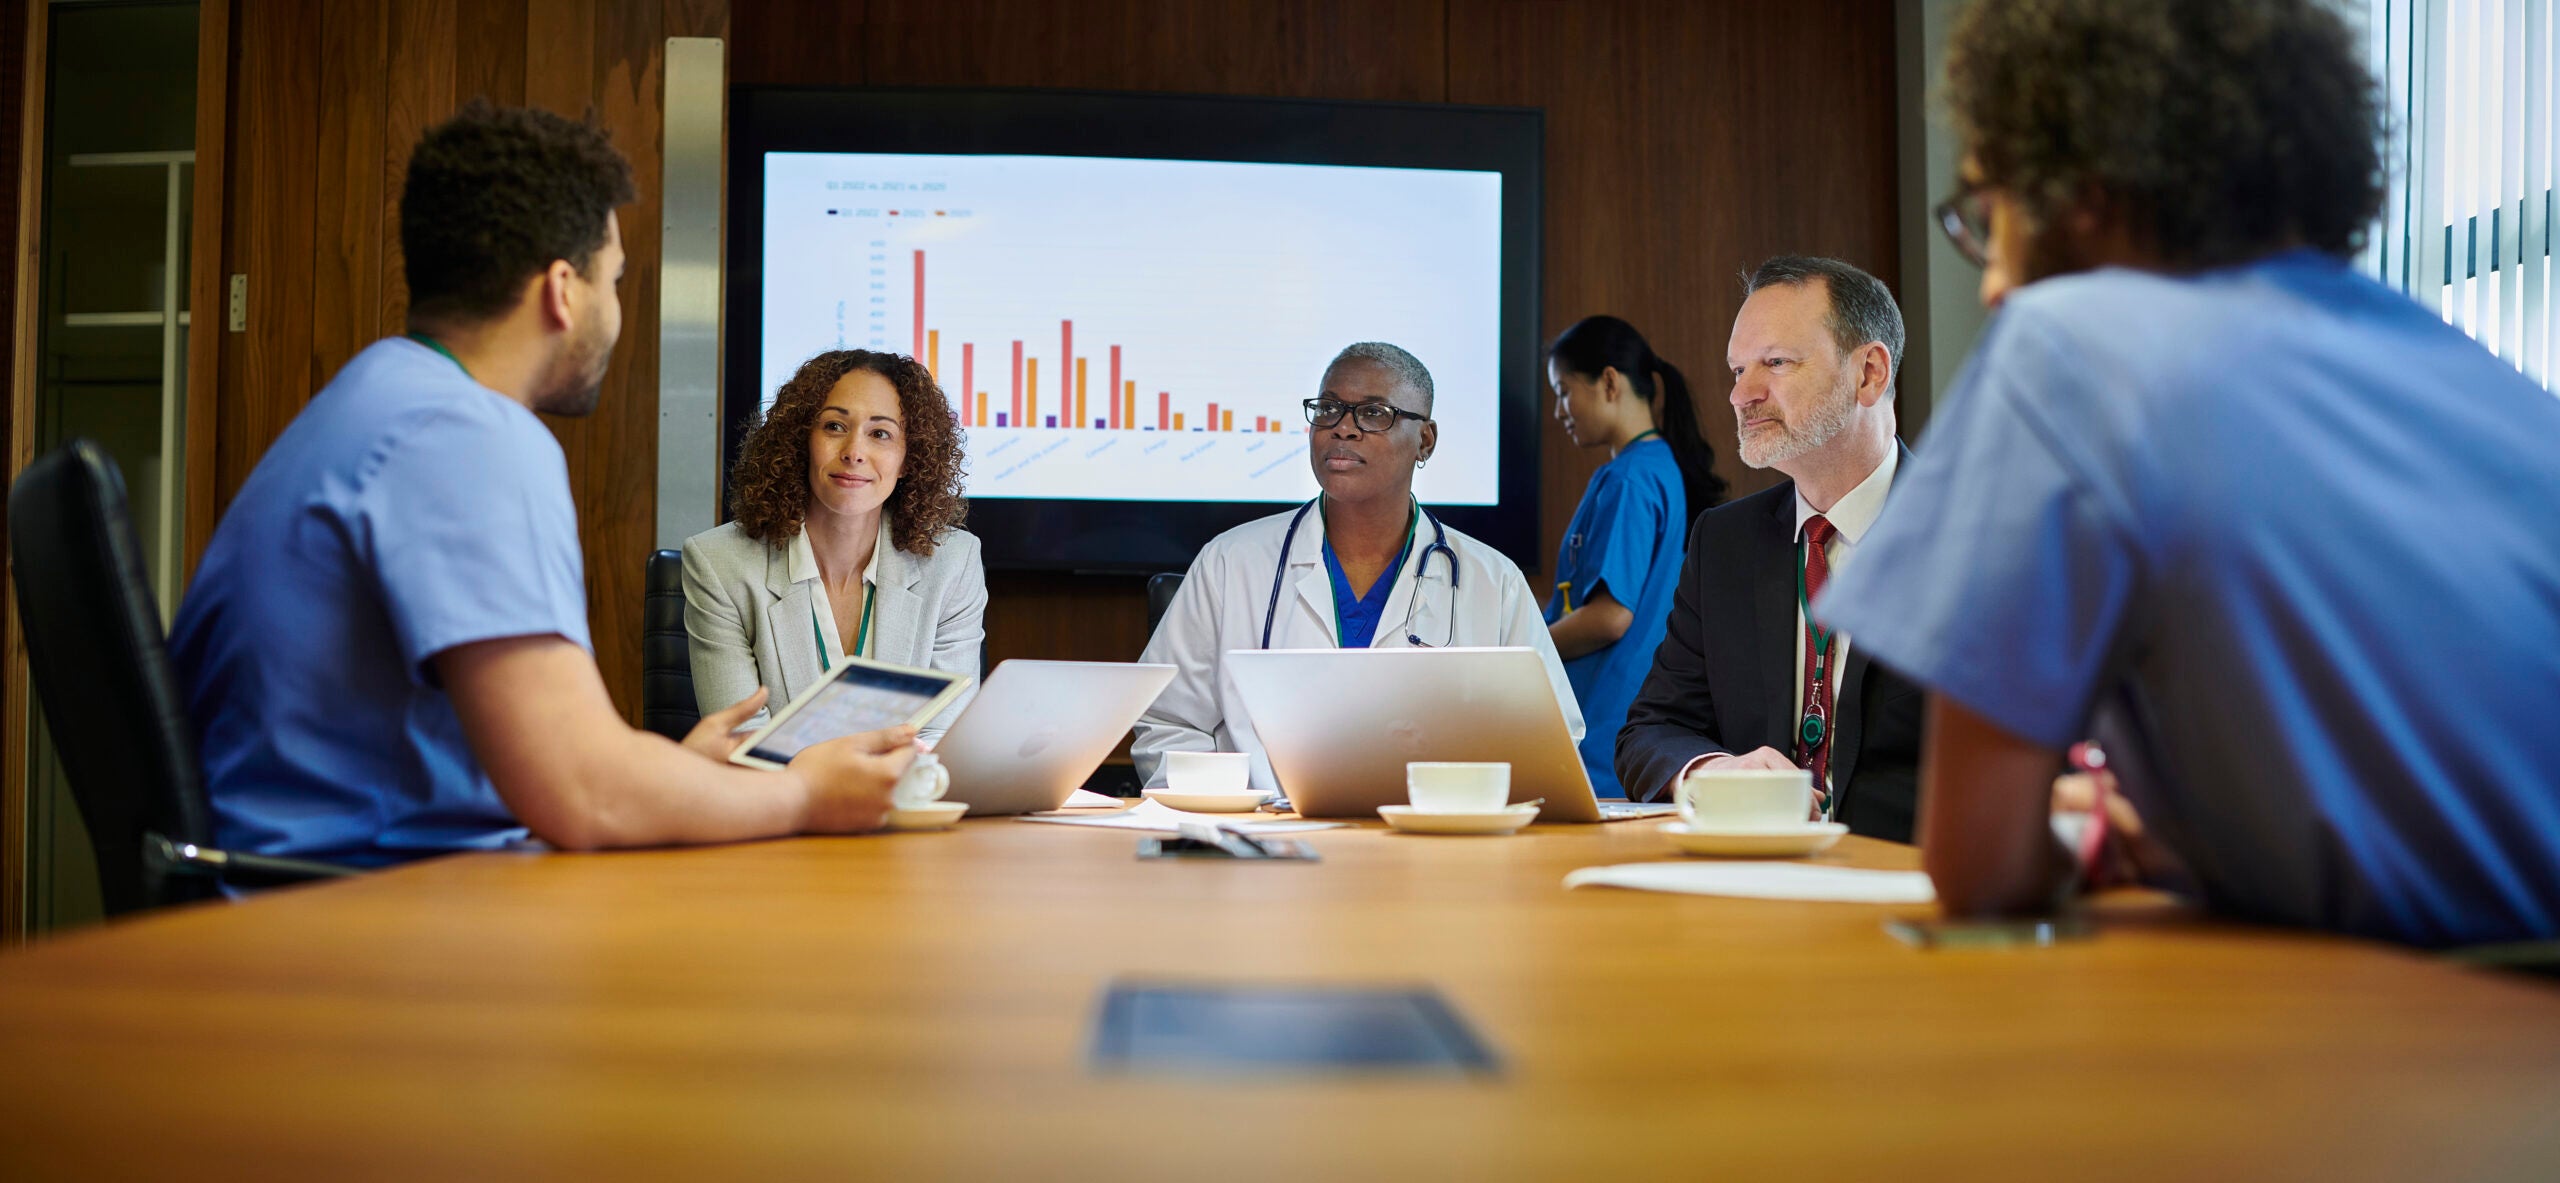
(1966,219)
(1370,417)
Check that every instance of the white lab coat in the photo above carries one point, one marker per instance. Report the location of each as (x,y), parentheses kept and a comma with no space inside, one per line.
(1223,601)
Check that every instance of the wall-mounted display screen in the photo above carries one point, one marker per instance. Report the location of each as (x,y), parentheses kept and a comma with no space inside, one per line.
(1141,330)
(1127,297)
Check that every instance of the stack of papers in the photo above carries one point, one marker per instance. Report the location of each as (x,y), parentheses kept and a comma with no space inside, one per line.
(1156,818)
(1764,881)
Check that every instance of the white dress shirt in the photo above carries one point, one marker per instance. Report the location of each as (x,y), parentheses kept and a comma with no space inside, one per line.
(1850,517)
(804,567)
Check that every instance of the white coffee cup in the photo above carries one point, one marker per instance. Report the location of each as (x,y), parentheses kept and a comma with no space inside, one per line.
(1450,787)
(923,783)
(1207,772)
(1747,798)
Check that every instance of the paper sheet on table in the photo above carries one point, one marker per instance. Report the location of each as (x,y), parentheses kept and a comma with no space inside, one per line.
(1764,881)
(1152,816)
(1088,799)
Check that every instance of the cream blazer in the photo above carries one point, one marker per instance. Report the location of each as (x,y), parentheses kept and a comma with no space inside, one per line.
(751,611)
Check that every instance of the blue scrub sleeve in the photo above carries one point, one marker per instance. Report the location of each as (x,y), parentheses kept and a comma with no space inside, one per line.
(1624,533)
(473,536)
(2001,572)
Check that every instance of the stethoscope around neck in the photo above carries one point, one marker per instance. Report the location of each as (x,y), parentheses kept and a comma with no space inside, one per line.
(1439,544)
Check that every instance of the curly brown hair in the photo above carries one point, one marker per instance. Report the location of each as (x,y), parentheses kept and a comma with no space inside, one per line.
(769,487)
(2222,130)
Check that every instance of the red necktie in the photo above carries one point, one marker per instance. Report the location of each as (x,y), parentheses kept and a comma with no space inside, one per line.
(1813,746)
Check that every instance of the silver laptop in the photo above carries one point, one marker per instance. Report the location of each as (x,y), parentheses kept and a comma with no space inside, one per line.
(1037,729)
(1339,725)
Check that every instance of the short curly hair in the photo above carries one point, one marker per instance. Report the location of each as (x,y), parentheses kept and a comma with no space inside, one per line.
(769,486)
(496,194)
(2222,130)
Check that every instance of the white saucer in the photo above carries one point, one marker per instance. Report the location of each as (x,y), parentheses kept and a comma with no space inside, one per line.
(1793,841)
(1244,802)
(1501,821)
(939,815)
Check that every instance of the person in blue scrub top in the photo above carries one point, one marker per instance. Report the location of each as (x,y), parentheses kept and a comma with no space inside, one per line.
(1620,561)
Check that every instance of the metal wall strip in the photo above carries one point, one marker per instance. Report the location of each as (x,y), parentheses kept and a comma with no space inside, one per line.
(689,290)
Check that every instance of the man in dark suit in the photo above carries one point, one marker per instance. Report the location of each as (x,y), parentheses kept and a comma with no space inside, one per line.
(1741,679)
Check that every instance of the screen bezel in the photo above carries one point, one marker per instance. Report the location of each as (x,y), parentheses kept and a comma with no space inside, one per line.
(1147,536)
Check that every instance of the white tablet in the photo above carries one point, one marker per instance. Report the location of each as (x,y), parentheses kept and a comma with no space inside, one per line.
(859,696)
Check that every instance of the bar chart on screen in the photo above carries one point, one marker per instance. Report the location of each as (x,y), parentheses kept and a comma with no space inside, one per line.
(1121,329)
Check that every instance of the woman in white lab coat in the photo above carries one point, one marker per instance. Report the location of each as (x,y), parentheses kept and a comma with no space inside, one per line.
(1362,566)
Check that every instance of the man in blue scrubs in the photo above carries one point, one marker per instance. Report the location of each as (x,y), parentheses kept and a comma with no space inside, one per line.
(2284,541)
(385,652)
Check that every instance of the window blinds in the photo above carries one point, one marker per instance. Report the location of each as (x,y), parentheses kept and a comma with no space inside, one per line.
(2467,227)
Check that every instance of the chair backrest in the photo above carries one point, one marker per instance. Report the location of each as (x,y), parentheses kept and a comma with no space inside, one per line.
(100,664)
(666,653)
(1160,589)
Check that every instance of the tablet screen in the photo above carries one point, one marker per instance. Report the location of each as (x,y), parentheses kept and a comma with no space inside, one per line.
(858,698)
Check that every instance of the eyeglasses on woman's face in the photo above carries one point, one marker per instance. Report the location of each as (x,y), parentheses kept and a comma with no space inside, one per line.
(1375,418)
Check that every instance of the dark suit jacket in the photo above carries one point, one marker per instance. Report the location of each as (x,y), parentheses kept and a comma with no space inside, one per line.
(1724,678)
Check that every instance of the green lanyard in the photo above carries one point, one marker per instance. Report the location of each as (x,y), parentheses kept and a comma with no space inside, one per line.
(861,635)
(1641,436)
(438,346)
(1392,572)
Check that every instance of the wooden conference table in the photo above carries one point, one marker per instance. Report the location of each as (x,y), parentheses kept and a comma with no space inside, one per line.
(920,1005)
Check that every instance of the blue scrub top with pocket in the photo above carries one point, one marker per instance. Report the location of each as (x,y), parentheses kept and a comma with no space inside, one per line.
(1628,536)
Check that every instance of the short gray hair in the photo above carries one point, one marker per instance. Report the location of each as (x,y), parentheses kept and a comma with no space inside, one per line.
(1407,368)
(1862,311)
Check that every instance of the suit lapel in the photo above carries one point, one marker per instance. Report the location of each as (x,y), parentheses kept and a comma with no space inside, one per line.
(897,611)
(1315,592)
(1774,592)
(1849,707)
(790,621)
(1314,585)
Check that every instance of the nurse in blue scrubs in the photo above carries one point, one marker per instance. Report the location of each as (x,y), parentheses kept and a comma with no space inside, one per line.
(1621,556)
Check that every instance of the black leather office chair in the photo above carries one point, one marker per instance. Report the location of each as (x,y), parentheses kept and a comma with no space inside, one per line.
(100,665)
(1160,589)
(667,704)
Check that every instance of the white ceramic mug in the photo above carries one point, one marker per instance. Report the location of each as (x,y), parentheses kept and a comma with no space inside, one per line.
(1207,772)
(923,783)
(1747,798)
(1435,786)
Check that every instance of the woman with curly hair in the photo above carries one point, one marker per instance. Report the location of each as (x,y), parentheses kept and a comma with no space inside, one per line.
(844,539)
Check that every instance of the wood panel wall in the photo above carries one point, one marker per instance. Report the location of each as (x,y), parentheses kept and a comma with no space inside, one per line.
(22,56)
(1685,141)
(324,100)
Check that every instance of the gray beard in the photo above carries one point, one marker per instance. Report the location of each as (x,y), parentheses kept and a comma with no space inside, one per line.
(1795,439)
